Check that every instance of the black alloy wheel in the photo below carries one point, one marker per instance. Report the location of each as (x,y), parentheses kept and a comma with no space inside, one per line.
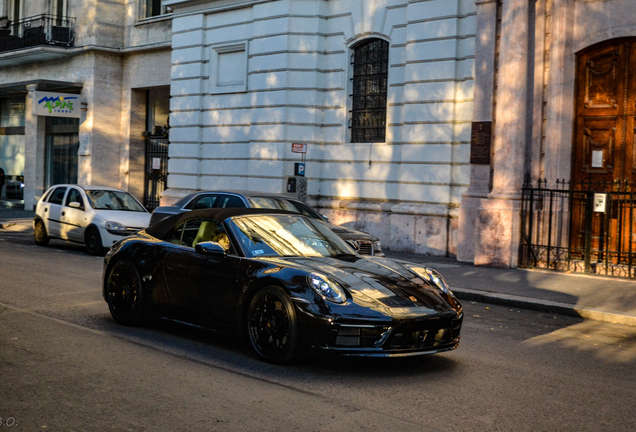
(40,236)
(94,242)
(272,326)
(124,294)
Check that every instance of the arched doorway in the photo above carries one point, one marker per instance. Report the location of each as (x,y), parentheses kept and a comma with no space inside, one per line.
(604,153)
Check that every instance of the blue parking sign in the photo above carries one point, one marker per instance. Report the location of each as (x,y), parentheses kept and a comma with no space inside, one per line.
(299,169)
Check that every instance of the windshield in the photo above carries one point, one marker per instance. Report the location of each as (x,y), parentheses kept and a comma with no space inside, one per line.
(113,200)
(282,204)
(283,235)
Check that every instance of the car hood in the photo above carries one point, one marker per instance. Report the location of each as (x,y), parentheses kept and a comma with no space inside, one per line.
(129,219)
(350,233)
(387,286)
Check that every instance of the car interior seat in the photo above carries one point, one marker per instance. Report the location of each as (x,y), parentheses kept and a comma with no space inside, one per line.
(205,232)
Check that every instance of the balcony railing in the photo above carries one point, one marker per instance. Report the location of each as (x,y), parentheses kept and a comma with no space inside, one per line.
(37,30)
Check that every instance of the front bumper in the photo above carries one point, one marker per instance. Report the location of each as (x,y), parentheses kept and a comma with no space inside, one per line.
(395,338)
(109,238)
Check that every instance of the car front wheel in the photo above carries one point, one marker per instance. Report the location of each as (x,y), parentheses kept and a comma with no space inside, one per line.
(272,325)
(124,294)
(39,234)
(94,242)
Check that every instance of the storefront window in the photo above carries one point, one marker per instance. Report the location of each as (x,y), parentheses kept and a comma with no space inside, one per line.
(62,145)
(12,138)
(11,112)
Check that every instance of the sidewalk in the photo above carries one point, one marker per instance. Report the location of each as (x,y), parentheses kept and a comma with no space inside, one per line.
(591,297)
(15,219)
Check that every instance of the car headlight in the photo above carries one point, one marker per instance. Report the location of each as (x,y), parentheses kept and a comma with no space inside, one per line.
(116,228)
(326,288)
(432,276)
(377,247)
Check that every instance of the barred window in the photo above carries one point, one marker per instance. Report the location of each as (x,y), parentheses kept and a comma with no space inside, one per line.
(370,61)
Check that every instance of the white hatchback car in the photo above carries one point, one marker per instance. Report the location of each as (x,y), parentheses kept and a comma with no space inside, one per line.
(93,215)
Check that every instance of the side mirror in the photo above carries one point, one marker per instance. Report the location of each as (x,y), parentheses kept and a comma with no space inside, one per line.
(76,205)
(210,248)
(325,217)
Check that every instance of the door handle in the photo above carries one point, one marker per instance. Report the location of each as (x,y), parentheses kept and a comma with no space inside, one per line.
(63,213)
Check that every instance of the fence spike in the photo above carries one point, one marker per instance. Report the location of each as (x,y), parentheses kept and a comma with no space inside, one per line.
(527,180)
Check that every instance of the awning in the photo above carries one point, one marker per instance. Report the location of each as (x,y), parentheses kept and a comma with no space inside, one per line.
(43,85)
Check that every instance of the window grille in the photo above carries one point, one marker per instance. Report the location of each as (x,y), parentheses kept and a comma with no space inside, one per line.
(370,62)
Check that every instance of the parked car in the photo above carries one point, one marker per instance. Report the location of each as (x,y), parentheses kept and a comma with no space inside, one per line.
(366,243)
(14,190)
(94,215)
(284,281)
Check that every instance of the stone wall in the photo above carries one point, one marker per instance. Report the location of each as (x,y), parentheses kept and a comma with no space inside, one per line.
(297,90)
(534,100)
(115,55)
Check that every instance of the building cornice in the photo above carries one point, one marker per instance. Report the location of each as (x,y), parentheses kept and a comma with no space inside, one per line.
(220,3)
(45,52)
(190,6)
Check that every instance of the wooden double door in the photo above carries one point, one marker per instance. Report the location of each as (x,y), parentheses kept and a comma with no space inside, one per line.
(604,150)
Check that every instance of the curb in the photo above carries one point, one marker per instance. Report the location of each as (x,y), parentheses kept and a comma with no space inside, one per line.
(542,306)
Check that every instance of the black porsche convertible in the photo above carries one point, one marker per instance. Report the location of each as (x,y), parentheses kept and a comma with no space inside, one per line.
(284,281)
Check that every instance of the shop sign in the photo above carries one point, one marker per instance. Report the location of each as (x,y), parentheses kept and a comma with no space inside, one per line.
(56,105)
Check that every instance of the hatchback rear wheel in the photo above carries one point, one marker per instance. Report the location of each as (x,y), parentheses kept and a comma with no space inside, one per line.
(40,235)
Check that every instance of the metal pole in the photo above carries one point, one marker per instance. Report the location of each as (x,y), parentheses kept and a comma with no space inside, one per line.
(589,211)
(550,227)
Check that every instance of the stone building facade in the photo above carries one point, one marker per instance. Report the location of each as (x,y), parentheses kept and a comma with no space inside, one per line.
(479,95)
(556,79)
(115,56)
(250,78)
(420,118)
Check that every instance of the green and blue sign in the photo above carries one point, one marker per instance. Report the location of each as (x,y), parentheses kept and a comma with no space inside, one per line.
(56,104)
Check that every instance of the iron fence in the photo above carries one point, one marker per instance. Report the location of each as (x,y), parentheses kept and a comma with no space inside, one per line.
(156,170)
(588,228)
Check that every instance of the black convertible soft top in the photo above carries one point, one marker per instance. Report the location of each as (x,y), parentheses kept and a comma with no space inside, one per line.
(163,227)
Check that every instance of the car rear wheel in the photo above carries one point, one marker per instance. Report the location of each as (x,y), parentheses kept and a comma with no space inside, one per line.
(94,242)
(124,294)
(272,325)
(39,234)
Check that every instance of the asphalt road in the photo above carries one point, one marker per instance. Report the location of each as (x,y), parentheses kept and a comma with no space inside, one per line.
(65,365)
